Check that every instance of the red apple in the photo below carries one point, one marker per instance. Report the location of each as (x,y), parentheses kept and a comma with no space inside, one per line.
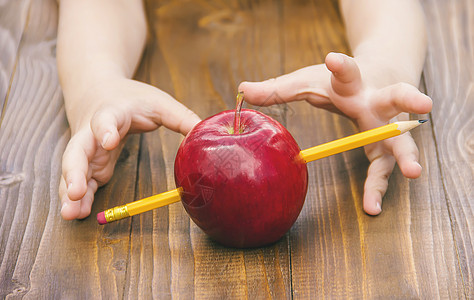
(244,189)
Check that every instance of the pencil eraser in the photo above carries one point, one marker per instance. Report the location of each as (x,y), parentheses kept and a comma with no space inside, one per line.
(101,218)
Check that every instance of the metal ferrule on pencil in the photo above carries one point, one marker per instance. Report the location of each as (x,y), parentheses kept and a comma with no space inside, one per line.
(116,213)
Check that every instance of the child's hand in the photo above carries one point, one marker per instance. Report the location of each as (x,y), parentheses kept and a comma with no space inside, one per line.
(370,100)
(107,115)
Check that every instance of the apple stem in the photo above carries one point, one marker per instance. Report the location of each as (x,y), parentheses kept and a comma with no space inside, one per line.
(238,108)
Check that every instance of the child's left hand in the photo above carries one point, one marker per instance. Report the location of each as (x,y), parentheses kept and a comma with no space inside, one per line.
(367,94)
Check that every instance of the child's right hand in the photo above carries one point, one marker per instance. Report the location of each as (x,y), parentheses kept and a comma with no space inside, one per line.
(107,114)
(368,94)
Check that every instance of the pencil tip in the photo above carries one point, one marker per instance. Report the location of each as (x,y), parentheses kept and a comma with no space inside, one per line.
(423,121)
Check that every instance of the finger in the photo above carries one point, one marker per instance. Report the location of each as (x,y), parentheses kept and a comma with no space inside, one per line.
(62,187)
(406,153)
(401,97)
(64,199)
(105,126)
(70,209)
(79,209)
(174,115)
(75,165)
(346,79)
(303,84)
(376,183)
(87,200)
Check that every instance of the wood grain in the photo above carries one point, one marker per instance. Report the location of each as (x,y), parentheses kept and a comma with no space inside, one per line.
(199,51)
(189,264)
(31,143)
(41,254)
(361,256)
(13,19)
(449,77)
(327,257)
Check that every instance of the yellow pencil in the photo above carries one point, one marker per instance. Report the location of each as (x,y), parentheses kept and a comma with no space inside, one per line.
(358,140)
(310,154)
(138,207)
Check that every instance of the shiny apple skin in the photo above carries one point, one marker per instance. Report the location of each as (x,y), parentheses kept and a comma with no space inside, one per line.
(243,190)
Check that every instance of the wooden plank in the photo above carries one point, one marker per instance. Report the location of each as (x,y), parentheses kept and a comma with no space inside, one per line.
(43,256)
(79,259)
(323,264)
(337,250)
(33,124)
(202,68)
(150,262)
(449,77)
(420,247)
(13,20)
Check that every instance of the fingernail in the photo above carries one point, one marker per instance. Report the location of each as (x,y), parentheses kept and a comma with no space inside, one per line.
(69,186)
(105,139)
(64,205)
(378,207)
(338,57)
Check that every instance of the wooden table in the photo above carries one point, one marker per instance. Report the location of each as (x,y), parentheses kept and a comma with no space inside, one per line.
(421,246)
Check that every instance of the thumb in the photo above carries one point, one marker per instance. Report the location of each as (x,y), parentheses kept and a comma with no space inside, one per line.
(151,109)
(346,79)
(105,127)
(174,115)
(301,84)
